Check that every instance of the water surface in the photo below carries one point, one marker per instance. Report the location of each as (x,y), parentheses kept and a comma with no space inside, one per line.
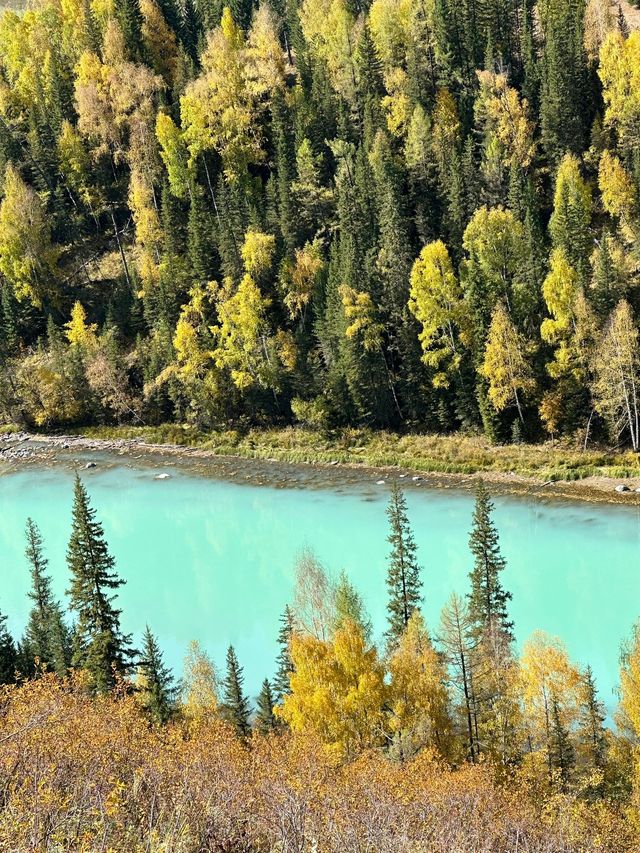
(212,559)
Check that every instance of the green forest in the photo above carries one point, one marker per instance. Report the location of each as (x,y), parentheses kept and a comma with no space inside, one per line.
(417,216)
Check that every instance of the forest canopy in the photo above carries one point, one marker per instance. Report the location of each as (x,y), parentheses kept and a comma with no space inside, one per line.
(418,216)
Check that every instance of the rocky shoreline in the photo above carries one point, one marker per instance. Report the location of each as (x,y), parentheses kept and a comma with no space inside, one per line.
(81,451)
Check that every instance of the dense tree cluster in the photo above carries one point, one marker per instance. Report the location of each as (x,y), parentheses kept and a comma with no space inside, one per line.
(393,214)
(455,697)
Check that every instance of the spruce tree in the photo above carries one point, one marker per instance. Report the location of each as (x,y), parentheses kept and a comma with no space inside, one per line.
(8,654)
(191,28)
(284,664)
(403,574)
(235,709)
(99,646)
(156,681)
(487,598)
(47,636)
(285,170)
(9,335)
(200,240)
(265,720)
(130,18)
(562,757)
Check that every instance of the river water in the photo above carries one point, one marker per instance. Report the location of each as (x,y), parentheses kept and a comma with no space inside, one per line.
(211,557)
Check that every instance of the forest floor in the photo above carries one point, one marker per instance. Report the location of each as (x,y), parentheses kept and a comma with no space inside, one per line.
(444,460)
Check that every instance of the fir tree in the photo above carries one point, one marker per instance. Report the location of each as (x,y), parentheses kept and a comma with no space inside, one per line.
(265,720)
(47,636)
(156,686)
(487,598)
(235,708)
(98,643)
(403,574)
(284,664)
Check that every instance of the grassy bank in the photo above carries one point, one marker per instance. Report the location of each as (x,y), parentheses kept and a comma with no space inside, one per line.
(428,453)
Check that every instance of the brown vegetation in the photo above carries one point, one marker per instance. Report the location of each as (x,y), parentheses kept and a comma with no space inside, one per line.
(85,774)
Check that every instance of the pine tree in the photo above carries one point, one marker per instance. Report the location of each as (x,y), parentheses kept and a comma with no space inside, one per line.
(284,664)
(47,636)
(487,598)
(235,708)
(156,686)
(98,643)
(8,654)
(265,720)
(403,575)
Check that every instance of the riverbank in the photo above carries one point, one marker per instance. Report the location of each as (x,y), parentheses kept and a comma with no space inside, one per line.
(443,461)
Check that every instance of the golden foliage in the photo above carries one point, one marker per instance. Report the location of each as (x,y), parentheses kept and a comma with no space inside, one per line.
(79,332)
(337,691)
(83,774)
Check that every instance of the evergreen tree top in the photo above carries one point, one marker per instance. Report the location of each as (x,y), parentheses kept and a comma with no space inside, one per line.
(487,598)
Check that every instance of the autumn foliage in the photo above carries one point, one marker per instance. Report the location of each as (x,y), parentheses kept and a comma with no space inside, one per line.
(86,773)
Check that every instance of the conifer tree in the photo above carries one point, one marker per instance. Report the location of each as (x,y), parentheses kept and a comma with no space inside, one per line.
(99,646)
(9,335)
(235,707)
(487,599)
(265,720)
(47,636)
(284,664)
(8,653)
(403,574)
(592,717)
(200,240)
(285,170)
(155,681)
(130,18)
(562,757)
(191,28)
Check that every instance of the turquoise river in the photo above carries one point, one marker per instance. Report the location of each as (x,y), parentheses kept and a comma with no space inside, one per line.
(211,557)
